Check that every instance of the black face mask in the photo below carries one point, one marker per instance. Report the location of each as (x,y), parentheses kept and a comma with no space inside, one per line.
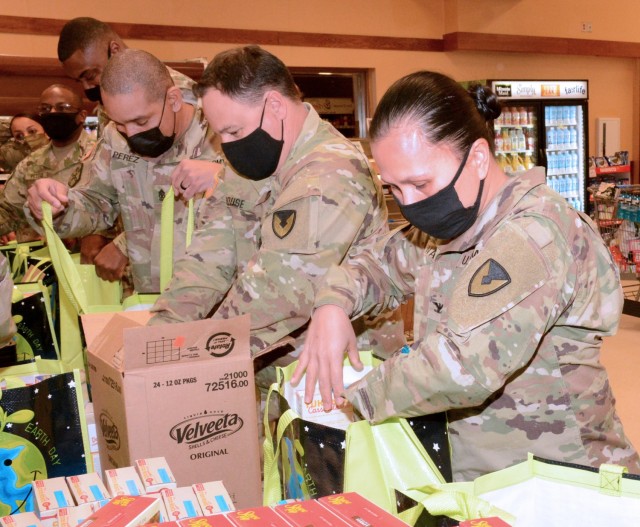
(60,126)
(255,156)
(93,94)
(152,142)
(442,215)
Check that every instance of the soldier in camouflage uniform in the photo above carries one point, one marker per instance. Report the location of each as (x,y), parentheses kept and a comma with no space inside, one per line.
(61,159)
(152,132)
(7,325)
(305,195)
(26,136)
(514,291)
(84,47)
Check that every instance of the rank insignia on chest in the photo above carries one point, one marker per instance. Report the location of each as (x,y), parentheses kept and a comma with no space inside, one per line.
(489,278)
(283,222)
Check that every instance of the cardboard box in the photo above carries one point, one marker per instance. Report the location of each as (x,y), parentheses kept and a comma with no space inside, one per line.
(73,516)
(256,517)
(21,519)
(48,496)
(86,488)
(155,474)
(493,521)
(182,391)
(163,516)
(124,511)
(181,503)
(308,513)
(123,481)
(212,497)
(357,511)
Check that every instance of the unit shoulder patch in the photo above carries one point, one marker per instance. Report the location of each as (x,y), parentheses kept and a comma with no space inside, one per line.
(283,222)
(489,278)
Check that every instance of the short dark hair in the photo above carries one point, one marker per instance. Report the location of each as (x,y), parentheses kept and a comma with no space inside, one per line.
(444,110)
(75,99)
(134,67)
(80,33)
(246,73)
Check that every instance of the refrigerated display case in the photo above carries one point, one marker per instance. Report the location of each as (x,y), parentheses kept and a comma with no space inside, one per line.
(544,123)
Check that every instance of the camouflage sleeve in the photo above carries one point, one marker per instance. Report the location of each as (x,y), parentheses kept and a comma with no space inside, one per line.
(488,338)
(120,241)
(378,274)
(311,227)
(7,325)
(93,204)
(204,274)
(12,201)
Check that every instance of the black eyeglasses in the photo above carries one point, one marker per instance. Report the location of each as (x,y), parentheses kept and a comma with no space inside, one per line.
(61,107)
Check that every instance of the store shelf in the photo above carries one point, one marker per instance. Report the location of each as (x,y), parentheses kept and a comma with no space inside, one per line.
(614,171)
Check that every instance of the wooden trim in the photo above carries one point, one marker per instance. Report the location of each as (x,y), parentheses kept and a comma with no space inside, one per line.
(462,41)
(51,26)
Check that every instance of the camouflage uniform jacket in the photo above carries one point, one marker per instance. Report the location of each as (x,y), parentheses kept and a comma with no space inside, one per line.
(122,182)
(7,325)
(11,153)
(509,319)
(43,163)
(179,79)
(289,230)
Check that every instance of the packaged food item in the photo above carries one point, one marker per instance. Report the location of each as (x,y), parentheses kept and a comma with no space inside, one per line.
(125,511)
(73,516)
(181,503)
(21,519)
(87,488)
(48,496)
(256,517)
(218,520)
(308,513)
(357,511)
(123,481)
(155,474)
(213,497)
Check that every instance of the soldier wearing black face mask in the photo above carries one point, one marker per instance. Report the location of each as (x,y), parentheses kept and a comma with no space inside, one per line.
(153,133)
(62,118)
(84,47)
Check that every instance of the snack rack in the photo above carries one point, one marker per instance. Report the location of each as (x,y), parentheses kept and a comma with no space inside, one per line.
(617,214)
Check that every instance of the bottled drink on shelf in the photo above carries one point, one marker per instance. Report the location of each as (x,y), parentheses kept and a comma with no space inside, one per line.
(524,116)
(566,111)
(572,115)
(531,116)
(506,140)
(515,116)
(528,163)
(553,115)
(507,116)
(497,141)
(522,142)
(530,138)
(551,137)
(573,137)
(513,138)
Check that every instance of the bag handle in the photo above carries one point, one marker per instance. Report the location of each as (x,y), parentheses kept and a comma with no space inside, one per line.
(66,270)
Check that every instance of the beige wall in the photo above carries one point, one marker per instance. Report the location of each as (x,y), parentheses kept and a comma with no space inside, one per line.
(613,82)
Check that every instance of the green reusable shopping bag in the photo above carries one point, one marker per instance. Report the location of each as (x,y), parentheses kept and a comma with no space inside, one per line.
(308,460)
(541,492)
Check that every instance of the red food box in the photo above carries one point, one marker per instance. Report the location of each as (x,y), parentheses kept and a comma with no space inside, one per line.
(125,511)
(308,513)
(358,511)
(216,520)
(257,517)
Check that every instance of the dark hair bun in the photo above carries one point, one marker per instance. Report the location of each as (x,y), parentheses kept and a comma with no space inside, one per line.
(486,101)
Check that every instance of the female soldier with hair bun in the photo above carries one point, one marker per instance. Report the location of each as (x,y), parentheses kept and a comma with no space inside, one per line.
(513,289)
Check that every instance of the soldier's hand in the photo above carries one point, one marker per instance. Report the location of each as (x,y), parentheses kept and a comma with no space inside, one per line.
(51,191)
(193,176)
(6,238)
(110,263)
(90,247)
(329,336)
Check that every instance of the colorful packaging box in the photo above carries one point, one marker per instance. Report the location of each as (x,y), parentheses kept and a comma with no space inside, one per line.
(73,516)
(49,495)
(181,503)
(155,474)
(87,488)
(218,520)
(256,517)
(21,519)
(123,481)
(357,511)
(308,513)
(125,511)
(212,497)
(493,521)
(162,513)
